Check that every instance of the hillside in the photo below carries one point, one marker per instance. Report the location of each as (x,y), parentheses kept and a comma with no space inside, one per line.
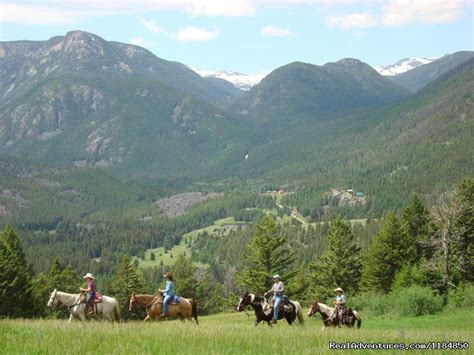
(79,100)
(417,145)
(422,75)
(301,95)
(27,64)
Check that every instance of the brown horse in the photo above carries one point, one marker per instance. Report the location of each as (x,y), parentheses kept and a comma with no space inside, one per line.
(185,309)
(328,319)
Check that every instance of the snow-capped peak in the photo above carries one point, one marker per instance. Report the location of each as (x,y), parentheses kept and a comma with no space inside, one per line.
(404,65)
(239,80)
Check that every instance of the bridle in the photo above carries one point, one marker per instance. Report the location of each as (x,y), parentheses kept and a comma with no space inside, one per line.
(54,300)
(314,308)
(245,301)
(134,301)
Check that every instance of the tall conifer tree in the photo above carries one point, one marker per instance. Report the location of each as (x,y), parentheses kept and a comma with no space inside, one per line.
(125,282)
(267,254)
(385,256)
(341,265)
(15,277)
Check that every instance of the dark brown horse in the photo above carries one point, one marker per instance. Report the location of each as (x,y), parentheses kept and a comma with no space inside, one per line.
(185,309)
(264,311)
(328,319)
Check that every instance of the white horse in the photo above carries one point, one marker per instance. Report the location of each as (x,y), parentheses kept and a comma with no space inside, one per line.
(108,308)
(328,312)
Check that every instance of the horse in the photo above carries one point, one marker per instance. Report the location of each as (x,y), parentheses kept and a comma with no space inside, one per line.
(108,308)
(327,315)
(264,312)
(185,309)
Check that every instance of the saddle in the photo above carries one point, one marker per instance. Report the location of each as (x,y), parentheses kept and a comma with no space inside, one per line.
(97,297)
(175,300)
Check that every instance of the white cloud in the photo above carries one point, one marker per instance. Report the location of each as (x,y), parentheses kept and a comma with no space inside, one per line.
(151,26)
(192,34)
(404,12)
(363,20)
(139,41)
(276,31)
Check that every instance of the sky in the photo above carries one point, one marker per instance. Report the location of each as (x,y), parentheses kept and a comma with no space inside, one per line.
(255,36)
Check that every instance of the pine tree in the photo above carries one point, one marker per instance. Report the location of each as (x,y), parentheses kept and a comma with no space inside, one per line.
(124,283)
(385,256)
(464,225)
(15,277)
(341,265)
(184,277)
(267,254)
(416,224)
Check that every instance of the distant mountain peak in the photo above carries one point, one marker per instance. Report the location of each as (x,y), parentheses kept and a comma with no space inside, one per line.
(239,80)
(404,65)
(350,62)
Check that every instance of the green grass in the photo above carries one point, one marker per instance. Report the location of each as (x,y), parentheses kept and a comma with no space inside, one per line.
(231,333)
(220,225)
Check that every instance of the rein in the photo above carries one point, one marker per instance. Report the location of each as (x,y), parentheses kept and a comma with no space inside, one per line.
(152,302)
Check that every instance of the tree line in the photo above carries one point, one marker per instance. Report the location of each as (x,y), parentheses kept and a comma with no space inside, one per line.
(426,247)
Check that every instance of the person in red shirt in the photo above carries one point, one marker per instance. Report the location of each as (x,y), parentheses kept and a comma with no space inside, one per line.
(90,293)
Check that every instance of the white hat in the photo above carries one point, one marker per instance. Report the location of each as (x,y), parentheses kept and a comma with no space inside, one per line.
(276,276)
(88,276)
(339,290)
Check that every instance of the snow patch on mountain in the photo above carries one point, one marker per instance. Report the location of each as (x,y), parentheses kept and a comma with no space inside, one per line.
(404,65)
(239,80)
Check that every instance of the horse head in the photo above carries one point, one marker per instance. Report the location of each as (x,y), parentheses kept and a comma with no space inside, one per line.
(53,299)
(245,300)
(133,302)
(314,308)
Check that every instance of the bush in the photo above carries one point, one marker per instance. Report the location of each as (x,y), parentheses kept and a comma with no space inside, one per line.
(411,301)
(416,301)
(462,297)
(372,303)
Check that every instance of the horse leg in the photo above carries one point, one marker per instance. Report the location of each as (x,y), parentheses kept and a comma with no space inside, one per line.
(70,318)
(147,317)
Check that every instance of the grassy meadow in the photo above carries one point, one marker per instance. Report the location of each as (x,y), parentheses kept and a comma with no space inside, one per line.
(223,225)
(227,333)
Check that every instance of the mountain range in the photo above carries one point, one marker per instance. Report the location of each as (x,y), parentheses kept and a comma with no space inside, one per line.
(77,101)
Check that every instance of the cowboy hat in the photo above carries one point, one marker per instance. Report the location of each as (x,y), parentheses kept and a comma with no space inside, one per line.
(339,290)
(88,276)
(276,276)
(167,274)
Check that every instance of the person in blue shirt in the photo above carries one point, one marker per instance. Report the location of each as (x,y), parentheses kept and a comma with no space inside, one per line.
(340,306)
(168,292)
(277,289)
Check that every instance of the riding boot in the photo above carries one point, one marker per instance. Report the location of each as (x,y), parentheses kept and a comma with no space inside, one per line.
(273,321)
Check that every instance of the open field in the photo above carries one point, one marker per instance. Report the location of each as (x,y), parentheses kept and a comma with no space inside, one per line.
(231,333)
(223,225)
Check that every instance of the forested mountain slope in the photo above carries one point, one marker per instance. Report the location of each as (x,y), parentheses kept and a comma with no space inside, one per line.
(301,95)
(421,76)
(417,145)
(26,64)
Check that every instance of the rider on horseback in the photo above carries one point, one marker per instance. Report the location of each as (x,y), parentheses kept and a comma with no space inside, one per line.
(168,292)
(340,305)
(91,290)
(277,289)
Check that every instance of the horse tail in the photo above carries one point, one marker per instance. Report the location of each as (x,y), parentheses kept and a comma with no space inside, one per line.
(117,312)
(299,313)
(359,319)
(194,310)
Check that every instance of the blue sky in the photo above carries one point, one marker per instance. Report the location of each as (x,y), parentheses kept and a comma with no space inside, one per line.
(254,36)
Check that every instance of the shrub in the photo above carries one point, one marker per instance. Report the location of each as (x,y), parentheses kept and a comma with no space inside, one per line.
(372,303)
(462,297)
(416,301)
